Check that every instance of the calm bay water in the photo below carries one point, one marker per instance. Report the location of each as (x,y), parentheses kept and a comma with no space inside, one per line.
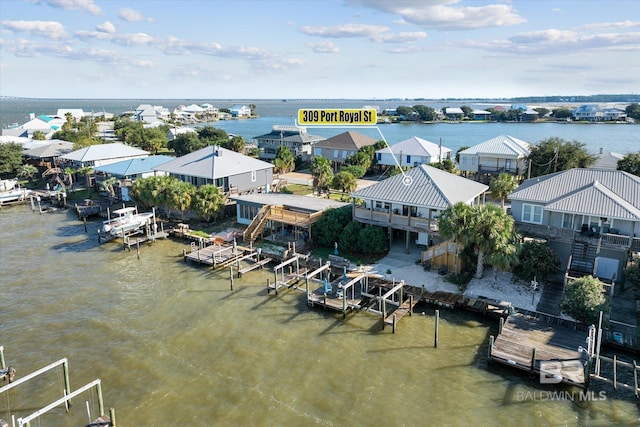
(621,138)
(174,346)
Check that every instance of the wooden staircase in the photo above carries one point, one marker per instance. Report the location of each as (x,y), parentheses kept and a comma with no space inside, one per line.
(257,225)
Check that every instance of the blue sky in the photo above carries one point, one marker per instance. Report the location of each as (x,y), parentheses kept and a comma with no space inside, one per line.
(212,49)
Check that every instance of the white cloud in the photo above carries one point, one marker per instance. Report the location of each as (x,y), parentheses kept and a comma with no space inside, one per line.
(445,14)
(376,33)
(49,29)
(84,5)
(323,47)
(612,25)
(347,30)
(131,15)
(106,27)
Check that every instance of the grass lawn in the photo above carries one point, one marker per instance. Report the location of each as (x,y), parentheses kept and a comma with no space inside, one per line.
(299,189)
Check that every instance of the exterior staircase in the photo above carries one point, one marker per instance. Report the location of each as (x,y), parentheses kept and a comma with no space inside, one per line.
(583,259)
(257,225)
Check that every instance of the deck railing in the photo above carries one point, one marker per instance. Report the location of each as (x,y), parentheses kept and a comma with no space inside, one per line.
(388,219)
(615,241)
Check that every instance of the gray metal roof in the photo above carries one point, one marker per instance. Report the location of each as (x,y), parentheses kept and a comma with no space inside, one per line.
(503,145)
(415,146)
(599,192)
(213,162)
(347,140)
(55,148)
(424,186)
(104,151)
(306,203)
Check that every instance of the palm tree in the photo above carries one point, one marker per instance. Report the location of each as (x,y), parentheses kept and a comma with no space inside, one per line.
(454,224)
(284,161)
(107,185)
(181,196)
(27,171)
(86,171)
(69,172)
(491,231)
(322,173)
(502,186)
(208,201)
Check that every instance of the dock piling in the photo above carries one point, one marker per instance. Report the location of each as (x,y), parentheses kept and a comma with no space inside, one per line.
(231,275)
(435,337)
(490,346)
(2,364)
(501,325)
(533,360)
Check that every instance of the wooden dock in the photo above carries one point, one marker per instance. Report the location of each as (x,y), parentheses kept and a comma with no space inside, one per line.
(217,256)
(526,344)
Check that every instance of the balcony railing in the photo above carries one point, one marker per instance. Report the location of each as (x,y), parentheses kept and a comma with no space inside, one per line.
(615,241)
(386,219)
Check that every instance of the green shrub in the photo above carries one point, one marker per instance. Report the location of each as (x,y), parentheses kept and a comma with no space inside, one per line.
(584,299)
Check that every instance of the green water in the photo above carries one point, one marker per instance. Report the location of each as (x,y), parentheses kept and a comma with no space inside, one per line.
(173,345)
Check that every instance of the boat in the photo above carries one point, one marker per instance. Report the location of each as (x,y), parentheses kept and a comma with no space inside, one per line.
(127,221)
(10,191)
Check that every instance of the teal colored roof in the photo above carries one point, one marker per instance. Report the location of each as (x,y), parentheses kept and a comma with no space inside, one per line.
(45,118)
(133,166)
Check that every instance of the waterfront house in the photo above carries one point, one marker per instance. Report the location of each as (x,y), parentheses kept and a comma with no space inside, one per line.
(231,172)
(339,147)
(590,217)
(150,113)
(76,113)
(410,203)
(503,153)
(289,217)
(296,138)
(454,113)
(481,114)
(46,124)
(102,154)
(46,156)
(127,171)
(590,113)
(412,152)
(240,111)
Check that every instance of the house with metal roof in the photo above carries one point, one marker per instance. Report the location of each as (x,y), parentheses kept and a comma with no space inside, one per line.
(412,152)
(503,153)
(410,203)
(299,141)
(102,154)
(590,217)
(454,113)
(239,110)
(46,156)
(287,217)
(230,171)
(127,171)
(339,147)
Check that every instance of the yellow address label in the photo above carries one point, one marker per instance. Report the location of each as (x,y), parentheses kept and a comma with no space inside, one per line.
(332,117)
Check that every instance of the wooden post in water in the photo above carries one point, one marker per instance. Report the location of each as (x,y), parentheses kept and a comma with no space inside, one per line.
(393,326)
(231,275)
(615,371)
(112,417)
(435,336)
(67,384)
(533,360)
(100,401)
(410,305)
(635,378)
(490,346)
(501,325)
(268,287)
(138,248)
(84,219)
(2,364)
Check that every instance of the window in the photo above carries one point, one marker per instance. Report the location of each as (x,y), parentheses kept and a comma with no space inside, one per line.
(317,151)
(344,154)
(336,153)
(408,160)
(253,176)
(379,156)
(532,213)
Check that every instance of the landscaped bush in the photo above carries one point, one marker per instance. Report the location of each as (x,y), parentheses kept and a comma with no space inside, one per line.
(536,260)
(327,230)
(584,299)
(350,236)
(373,240)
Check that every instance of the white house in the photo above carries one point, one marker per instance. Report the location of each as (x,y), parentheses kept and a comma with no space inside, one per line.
(503,153)
(240,111)
(103,154)
(411,152)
